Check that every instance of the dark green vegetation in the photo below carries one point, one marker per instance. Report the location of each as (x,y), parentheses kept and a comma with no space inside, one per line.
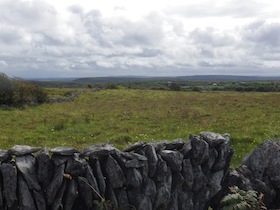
(239,199)
(16,92)
(188,83)
(124,116)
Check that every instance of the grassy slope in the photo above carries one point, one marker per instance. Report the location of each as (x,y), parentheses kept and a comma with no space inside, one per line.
(125,116)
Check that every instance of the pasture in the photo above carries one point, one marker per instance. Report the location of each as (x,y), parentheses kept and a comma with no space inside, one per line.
(124,116)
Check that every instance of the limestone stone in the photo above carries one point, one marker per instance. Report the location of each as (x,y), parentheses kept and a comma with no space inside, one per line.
(149,189)
(44,168)
(173,158)
(9,174)
(92,182)
(26,200)
(114,173)
(152,157)
(199,151)
(76,166)
(4,155)
(177,144)
(39,199)
(213,139)
(111,196)
(163,191)
(135,146)
(133,178)
(85,192)
(19,150)
(64,150)
(96,168)
(103,149)
(199,178)
(186,149)
(55,184)
(58,198)
(71,194)
(26,165)
(224,155)
(122,198)
(138,200)
(187,173)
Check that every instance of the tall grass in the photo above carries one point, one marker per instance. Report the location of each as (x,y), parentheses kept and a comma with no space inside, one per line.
(122,117)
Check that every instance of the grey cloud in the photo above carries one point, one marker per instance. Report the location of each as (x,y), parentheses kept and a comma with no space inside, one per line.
(38,39)
(148,32)
(26,13)
(206,52)
(263,33)
(121,31)
(211,37)
(3,63)
(94,25)
(10,35)
(76,9)
(34,21)
(149,52)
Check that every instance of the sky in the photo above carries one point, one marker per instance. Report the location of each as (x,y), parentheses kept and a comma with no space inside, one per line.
(70,38)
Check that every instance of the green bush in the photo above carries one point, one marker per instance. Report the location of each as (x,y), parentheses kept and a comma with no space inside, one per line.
(18,92)
(6,90)
(175,87)
(29,93)
(240,199)
(196,89)
(112,86)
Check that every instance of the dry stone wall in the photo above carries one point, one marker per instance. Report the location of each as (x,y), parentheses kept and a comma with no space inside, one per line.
(161,175)
(259,171)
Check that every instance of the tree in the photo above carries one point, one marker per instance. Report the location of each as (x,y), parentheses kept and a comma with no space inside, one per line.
(196,89)
(175,87)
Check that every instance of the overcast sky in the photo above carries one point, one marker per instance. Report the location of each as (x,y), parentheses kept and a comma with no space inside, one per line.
(70,38)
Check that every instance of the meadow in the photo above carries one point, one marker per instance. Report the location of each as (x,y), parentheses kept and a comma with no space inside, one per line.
(124,116)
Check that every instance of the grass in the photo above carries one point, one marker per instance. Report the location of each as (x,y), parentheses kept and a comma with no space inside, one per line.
(124,116)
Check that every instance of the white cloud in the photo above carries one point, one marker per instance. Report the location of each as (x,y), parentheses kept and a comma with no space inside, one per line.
(44,38)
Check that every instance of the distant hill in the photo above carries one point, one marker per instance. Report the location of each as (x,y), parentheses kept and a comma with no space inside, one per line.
(195,77)
(142,81)
(111,79)
(227,77)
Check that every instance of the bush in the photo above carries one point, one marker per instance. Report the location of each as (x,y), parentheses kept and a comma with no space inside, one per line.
(240,199)
(6,90)
(29,94)
(18,92)
(196,89)
(112,86)
(175,87)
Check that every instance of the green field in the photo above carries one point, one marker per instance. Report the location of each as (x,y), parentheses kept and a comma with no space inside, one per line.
(124,116)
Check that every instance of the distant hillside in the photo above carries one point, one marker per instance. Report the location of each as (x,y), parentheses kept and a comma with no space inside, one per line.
(147,82)
(228,77)
(189,78)
(111,79)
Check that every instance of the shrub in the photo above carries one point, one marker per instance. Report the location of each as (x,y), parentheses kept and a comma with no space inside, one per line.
(240,199)
(18,92)
(29,93)
(6,90)
(112,86)
(175,87)
(196,89)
